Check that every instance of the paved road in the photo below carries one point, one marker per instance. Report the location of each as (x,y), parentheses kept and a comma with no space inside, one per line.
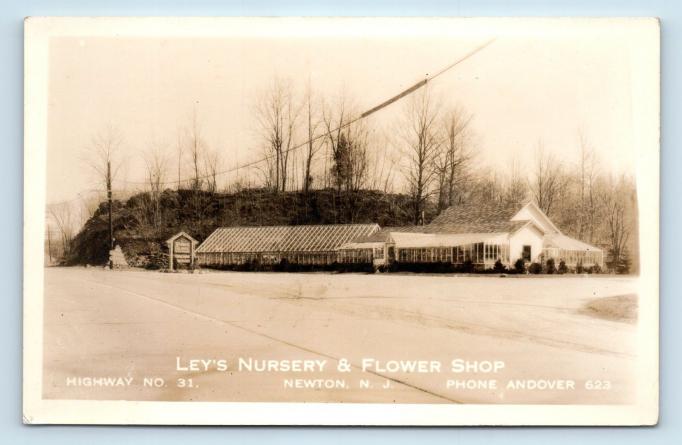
(132,325)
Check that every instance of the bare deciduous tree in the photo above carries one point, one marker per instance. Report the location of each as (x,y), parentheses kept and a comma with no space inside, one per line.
(614,205)
(62,215)
(314,143)
(178,147)
(516,186)
(195,149)
(213,163)
(348,141)
(383,163)
(103,154)
(335,118)
(357,157)
(156,164)
(547,180)
(104,159)
(277,115)
(485,186)
(421,143)
(453,157)
(587,175)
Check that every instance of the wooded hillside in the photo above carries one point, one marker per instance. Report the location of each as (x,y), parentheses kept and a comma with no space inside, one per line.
(141,229)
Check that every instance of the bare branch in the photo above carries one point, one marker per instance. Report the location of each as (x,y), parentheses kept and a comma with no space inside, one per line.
(421,144)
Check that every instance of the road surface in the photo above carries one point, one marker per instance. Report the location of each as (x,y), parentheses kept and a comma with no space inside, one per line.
(138,335)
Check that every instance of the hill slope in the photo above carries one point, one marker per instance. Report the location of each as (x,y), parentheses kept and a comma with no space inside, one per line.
(141,228)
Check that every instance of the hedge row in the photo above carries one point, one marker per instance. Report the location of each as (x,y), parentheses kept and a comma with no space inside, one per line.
(439,267)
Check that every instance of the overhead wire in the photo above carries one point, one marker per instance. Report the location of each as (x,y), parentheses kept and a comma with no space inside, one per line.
(361,116)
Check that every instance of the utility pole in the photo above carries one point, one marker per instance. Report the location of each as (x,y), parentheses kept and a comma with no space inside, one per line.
(111,222)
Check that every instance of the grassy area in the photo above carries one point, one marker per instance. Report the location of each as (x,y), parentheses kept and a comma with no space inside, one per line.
(619,308)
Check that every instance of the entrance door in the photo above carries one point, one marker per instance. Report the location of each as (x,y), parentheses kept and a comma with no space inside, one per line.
(526,255)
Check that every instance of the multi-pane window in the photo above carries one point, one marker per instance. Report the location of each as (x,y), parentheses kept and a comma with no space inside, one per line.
(492,252)
(355,256)
(458,253)
(425,255)
(584,257)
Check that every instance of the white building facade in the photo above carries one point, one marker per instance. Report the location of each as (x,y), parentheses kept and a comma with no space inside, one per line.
(480,235)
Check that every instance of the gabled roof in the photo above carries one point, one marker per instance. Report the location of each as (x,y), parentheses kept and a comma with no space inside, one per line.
(538,215)
(520,224)
(181,234)
(477,218)
(491,217)
(311,238)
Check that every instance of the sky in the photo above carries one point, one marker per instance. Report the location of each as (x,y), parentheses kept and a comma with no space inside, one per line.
(531,86)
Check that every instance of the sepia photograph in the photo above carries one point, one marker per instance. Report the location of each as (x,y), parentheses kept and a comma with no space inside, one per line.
(418,221)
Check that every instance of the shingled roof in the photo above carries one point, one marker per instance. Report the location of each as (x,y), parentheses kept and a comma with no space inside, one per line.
(311,238)
(477,218)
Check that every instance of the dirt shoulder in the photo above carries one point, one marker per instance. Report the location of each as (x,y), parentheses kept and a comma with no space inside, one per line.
(621,308)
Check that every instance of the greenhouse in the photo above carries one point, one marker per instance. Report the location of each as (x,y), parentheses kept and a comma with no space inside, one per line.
(308,244)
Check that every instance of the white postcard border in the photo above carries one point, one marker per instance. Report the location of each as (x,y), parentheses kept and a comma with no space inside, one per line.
(641,34)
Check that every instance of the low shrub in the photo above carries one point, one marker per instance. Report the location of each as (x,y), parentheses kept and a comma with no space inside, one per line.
(499,267)
(562,267)
(535,268)
(520,266)
(550,267)
(354,267)
(439,267)
(466,267)
(287,266)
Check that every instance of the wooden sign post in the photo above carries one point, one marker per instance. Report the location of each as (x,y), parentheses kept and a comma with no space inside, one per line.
(181,250)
